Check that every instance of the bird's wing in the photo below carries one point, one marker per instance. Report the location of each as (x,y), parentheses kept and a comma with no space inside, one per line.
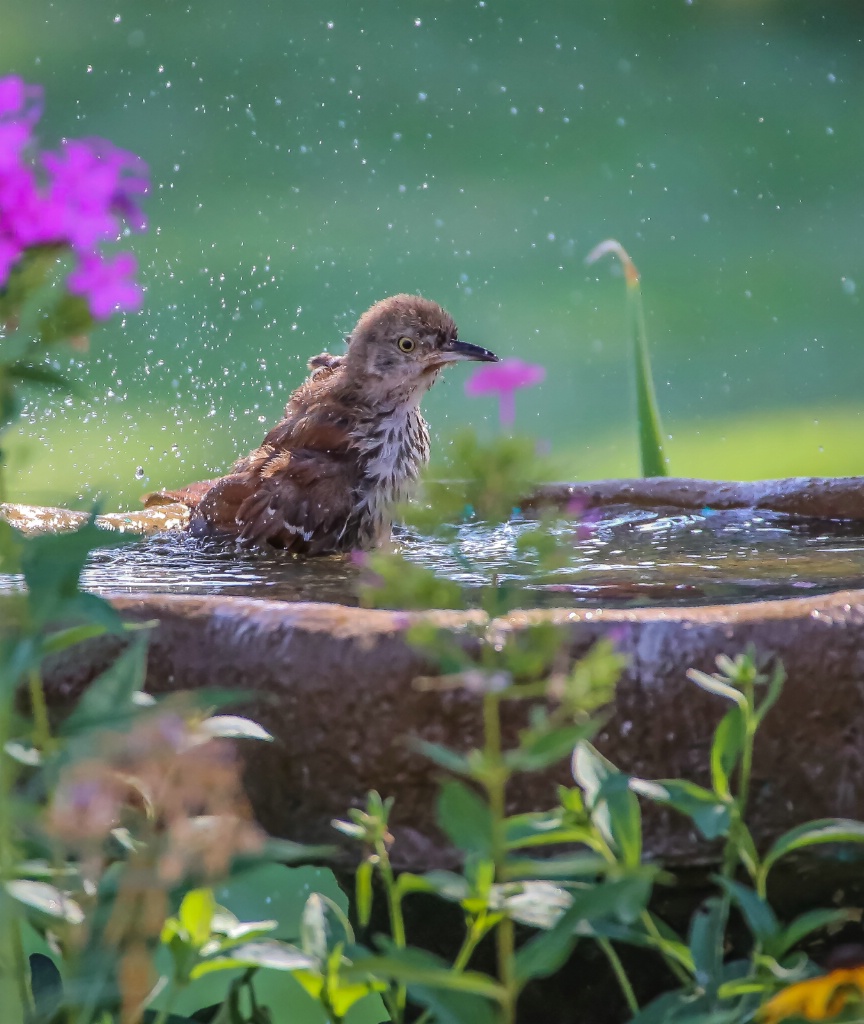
(299,501)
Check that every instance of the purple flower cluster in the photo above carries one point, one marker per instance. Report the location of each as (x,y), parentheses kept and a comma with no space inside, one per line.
(73,197)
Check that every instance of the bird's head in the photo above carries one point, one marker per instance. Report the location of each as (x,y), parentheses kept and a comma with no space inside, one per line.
(402,343)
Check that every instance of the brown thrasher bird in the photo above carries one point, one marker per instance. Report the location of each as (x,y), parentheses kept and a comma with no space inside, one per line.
(350,446)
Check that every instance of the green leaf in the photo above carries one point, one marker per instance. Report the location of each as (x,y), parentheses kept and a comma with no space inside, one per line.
(756,911)
(234,727)
(806,923)
(363,889)
(465,818)
(443,756)
(453,1007)
(715,685)
(68,318)
(279,851)
(45,898)
(24,752)
(417,967)
(572,865)
(270,953)
(623,899)
(323,927)
(65,638)
(42,375)
(46,986)
(539,749)
(707,933)
(726,748)
(814,833)
(772,694)
(710,815)
(538,904)
(108,700)
(447,884)
(196,915)
(614,808)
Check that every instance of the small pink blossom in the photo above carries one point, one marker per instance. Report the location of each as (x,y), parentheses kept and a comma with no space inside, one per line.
(504,379)
(107,283)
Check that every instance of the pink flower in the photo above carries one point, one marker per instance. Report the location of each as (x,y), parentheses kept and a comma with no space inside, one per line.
(503,379)
(107,283)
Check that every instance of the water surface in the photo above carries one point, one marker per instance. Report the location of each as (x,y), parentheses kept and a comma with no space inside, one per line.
(628,557)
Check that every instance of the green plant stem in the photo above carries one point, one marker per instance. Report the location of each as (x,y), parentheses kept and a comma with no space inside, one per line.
(620,974)
(39,707)
(11,942)
(170,996)
(475,933)
(674,965)
(496,787)
(397,919)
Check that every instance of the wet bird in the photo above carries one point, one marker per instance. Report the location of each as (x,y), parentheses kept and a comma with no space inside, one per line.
(350,446)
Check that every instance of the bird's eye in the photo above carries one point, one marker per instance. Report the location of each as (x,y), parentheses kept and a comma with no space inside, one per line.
(406,344)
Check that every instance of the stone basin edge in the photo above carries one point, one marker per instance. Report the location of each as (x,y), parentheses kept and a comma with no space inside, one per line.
(818,497)
(335,686)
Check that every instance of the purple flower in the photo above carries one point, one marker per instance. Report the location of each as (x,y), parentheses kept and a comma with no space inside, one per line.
(20,109)
(107,283)
(589,516)
(75,196)
(26,214)
(92,182)
(503,379)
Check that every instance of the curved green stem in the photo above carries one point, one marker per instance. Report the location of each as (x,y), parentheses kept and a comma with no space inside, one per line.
(39,707)
(620,974)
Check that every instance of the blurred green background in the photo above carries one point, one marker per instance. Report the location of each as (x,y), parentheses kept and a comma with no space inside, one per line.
(308,159)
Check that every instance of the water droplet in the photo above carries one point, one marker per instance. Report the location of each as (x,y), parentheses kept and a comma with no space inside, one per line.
(139,473)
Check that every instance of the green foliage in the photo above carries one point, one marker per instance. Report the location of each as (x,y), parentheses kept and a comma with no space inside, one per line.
(394,582)
(485,480)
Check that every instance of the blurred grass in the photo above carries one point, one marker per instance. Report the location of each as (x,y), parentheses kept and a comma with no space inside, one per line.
(308,161)
(49,470)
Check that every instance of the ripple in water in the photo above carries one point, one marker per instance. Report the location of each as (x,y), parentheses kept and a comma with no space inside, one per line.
(627,557)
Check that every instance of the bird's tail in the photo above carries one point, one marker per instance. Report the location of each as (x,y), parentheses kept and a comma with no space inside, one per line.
(190,495)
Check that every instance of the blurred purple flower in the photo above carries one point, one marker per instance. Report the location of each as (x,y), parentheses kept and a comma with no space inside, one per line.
(90,183)
(503,379)
(107,283)
(20,109)
(26,215)
(75,196)
(588,517)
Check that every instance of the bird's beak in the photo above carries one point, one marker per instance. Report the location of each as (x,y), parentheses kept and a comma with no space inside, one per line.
(458,351)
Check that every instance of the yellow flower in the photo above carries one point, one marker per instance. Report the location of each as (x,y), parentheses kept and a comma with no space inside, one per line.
(817,998)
